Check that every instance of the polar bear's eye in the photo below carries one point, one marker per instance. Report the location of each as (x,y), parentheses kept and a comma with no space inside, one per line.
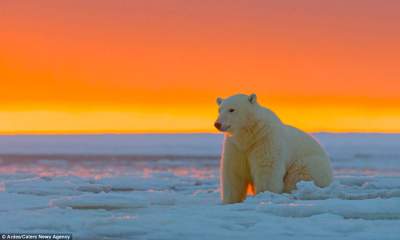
(231,110)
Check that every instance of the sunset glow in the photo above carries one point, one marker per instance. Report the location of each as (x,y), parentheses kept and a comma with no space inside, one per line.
(158,66)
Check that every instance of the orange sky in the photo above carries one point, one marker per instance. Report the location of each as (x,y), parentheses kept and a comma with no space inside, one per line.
(139,66)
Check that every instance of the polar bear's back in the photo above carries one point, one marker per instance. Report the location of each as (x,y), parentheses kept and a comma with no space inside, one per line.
(307,154)
(302,144)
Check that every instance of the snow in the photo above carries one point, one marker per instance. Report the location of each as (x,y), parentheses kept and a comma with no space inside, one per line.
(139,144)
(157,195)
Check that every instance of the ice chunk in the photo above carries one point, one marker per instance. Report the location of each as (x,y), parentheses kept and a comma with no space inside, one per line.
(112,201)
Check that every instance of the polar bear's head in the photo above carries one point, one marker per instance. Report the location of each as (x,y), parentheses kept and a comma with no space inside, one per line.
(234,112)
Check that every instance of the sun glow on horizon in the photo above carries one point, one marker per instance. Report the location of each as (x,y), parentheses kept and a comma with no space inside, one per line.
(194,119)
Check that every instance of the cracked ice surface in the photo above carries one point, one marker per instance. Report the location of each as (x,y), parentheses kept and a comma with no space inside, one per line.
(126,191)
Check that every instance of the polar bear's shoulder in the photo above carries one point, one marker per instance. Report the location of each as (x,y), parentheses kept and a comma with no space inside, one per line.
(267,115)
(301,141)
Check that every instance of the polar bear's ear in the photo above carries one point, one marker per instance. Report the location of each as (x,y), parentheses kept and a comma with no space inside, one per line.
(219,100)
(252,98)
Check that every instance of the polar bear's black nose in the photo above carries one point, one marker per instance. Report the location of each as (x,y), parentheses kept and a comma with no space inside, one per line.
(217,125)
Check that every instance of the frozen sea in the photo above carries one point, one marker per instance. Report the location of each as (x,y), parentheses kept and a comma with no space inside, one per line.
(167,187)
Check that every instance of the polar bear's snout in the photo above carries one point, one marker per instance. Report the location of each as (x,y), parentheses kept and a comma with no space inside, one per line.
(221,127)
(218,125)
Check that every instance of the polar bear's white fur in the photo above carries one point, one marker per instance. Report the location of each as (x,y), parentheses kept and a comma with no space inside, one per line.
(264,154)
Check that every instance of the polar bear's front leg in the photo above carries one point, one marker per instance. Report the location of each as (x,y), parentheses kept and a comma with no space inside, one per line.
(267,169)
(234,174)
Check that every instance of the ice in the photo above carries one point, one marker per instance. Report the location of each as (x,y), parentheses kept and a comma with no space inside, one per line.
(139,144)
(129,183)
(42,186)
(103,191)
(356,191)
(10,202)
(309,200)
(112,201)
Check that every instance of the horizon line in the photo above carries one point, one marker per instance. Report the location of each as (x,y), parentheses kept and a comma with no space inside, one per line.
(160,132)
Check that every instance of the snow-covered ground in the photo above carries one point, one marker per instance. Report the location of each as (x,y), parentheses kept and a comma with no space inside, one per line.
(166,187)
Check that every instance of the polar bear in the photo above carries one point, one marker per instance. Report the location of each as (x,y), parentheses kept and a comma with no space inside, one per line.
(263,154)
